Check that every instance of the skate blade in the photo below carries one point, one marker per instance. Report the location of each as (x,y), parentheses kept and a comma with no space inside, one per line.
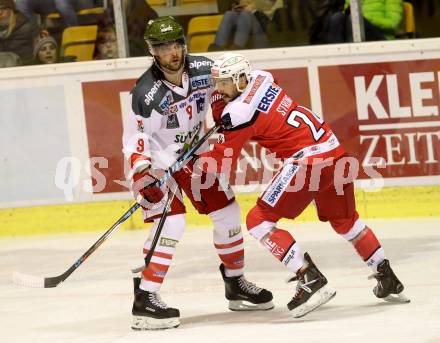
(321,297)
(242,305)
(148,323)
(397,298)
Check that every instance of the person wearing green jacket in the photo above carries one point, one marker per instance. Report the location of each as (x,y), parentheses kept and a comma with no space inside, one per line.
(384,15)
(333,24)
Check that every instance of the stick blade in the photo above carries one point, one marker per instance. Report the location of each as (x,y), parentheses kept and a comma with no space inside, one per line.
(27,280)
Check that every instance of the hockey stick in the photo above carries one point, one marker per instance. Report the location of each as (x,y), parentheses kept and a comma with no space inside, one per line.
(49,282)
(171,194)
(160,225)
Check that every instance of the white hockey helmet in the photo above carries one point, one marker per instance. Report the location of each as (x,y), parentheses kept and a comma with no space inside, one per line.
(231,65)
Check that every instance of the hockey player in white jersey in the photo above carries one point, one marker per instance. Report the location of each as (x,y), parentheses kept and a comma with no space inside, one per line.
(169,104)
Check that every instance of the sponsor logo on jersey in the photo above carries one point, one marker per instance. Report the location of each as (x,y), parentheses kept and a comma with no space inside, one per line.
(140,125)
(166,101)
(234,232)
(280,183)
(198,64)
(284,106)
(268,98)
(186,102)
(150,95)
(184,137)
(201,81)
(196,95)
(258,82)
(168,242)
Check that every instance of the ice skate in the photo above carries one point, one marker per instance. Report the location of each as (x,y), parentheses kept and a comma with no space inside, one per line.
(244,295)
(311,290)
(150,312)
(388,287)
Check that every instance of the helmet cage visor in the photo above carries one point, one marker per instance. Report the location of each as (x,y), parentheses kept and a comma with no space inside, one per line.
(166,48)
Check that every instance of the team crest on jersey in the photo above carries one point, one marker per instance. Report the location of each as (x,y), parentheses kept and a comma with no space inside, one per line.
(172,121)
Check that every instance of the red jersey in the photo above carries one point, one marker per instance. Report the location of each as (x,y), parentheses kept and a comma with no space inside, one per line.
(266,114)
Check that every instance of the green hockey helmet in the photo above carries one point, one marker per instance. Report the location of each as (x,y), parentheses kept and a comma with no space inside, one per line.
(162,30)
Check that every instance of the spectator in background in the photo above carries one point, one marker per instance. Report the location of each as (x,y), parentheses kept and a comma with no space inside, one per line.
(244,26)
(17,33)
(46,51)
(381,21)
(381,18)
(67,9)
(106,44)
(139,12)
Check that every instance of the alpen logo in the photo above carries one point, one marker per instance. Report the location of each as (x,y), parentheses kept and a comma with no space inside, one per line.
(150,95)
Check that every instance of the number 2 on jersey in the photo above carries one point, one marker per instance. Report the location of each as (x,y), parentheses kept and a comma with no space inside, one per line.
(292,120)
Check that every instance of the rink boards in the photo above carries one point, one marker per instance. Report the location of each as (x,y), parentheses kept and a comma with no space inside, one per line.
(61,126)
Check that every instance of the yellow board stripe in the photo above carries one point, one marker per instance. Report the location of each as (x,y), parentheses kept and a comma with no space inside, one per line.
(405,202)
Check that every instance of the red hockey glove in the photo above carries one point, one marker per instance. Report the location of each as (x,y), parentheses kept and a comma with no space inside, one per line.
(217,106)
(142,185)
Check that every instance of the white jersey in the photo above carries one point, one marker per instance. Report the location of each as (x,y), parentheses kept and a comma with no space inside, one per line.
(164,118)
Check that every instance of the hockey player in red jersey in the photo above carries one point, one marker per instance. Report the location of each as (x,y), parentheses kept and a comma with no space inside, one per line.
(169,105)
(314,169)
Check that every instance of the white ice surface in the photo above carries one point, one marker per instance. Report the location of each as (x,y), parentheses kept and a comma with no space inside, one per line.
(94,304)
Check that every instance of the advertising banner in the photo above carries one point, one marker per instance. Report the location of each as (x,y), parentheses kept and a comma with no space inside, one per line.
(386,110)
(65,122)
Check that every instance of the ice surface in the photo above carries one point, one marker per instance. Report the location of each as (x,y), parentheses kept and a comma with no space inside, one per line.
(94,303)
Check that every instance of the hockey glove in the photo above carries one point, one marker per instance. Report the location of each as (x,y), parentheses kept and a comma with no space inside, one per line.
(217,106)
(142,185)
